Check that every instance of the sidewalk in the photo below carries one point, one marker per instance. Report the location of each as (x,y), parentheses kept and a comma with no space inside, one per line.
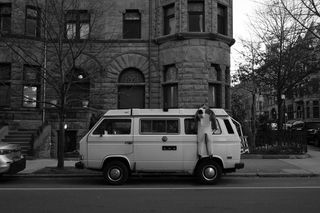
(305,167)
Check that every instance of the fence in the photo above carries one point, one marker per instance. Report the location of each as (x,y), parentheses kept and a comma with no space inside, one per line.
(280,142)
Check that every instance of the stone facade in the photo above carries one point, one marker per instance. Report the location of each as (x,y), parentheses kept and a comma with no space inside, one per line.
(201,61)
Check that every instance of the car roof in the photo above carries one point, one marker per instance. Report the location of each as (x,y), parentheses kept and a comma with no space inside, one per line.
(160,112)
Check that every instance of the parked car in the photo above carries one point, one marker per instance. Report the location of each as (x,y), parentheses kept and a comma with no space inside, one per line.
(11,159)
(312,131)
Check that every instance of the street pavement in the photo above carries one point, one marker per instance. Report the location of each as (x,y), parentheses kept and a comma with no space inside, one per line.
(262,166)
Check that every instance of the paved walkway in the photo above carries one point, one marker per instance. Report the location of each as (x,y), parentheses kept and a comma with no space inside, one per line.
(253,167)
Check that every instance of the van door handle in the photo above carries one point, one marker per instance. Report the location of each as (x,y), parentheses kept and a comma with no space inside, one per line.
(128,142)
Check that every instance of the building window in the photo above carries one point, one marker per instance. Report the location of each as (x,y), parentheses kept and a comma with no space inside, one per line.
(307,109)
(79,88)
(196,16)
(227,98)
(222,19)
(5,77)
(227,75)
(214,95)
(169,20)
(131,24)
(170,87)
(316,112)
(131,89)
(32,21)
(5,18)
(215,73)
(77,24)
(31,86)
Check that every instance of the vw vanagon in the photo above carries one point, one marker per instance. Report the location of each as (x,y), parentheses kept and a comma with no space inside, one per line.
(130,141)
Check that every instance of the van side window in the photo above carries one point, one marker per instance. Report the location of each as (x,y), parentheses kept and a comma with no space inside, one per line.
(228,126)
(191,127)
(159,126)
(113,127)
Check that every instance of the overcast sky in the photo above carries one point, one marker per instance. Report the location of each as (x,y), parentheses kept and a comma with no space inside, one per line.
(242,9)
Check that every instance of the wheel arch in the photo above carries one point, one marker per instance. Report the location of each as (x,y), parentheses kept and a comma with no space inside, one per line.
(122,159)
(214,158)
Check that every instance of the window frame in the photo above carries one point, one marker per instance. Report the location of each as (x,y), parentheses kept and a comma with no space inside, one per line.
(167,18)
(218,95)
(78,23)
(130,22)
(214,133)
(222,20)
(5,15)
(111,119)
(37,19)
(172,85)
(31,83)
(197,13)
(6,82)
(159,119)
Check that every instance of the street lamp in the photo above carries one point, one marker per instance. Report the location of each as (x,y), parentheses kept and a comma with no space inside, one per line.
(283,98)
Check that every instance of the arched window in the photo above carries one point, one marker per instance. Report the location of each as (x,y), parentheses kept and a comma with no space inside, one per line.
(131,88)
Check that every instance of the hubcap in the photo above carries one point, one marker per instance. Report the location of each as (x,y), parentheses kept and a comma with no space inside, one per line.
(209,173)
(115,174)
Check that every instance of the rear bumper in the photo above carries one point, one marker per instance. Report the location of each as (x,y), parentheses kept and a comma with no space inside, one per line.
(17,166)
(239,165)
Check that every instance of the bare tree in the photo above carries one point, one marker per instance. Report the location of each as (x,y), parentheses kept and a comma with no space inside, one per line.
(252,56)
(68,29)
(288,58)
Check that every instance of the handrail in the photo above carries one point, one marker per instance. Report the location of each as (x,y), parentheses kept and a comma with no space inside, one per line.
(244,142)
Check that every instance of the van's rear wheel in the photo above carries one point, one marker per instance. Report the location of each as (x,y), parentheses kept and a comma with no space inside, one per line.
(208,172)
(115,173)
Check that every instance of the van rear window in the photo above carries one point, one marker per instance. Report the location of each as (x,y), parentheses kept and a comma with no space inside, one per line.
(159,126)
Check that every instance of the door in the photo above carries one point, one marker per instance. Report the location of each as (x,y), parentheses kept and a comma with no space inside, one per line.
(112,137)
(158,145)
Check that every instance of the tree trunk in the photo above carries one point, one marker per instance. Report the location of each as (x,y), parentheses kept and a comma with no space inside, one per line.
(61,140)
(253,116)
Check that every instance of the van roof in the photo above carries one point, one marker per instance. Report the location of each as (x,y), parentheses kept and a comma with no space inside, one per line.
(160,112)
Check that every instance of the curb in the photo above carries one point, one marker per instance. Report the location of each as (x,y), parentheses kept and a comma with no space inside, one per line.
(94,175)
(264,156)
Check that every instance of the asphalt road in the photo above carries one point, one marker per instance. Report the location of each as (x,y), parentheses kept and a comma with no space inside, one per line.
(165,195)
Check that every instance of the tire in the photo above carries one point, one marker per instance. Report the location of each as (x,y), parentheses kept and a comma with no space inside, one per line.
(208,172)
(115,173)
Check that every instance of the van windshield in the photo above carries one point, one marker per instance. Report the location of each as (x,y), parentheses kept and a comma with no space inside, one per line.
(113,127)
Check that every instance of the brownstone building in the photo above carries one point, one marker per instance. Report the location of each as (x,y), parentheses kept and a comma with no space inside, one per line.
(143,54)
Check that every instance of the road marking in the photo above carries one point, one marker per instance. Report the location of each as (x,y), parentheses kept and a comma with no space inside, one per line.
(159,188)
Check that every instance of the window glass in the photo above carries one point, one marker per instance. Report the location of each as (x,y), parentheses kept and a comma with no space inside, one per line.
(170,87)
(4,94)
(191,127)
(222,19)
(196,16)
(77,24)
(32,21)
(214,94)
(30,94)
(228,126)
(132,24)
(169,20)
(5,17)
(113,127)
(159,126)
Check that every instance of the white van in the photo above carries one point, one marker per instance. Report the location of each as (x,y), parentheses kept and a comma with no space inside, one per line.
(130,141)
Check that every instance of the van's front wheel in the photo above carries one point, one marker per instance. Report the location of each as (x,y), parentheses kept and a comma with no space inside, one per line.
(208,172)
(115,173)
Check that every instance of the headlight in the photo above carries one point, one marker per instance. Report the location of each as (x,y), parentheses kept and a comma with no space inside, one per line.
(5,151)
